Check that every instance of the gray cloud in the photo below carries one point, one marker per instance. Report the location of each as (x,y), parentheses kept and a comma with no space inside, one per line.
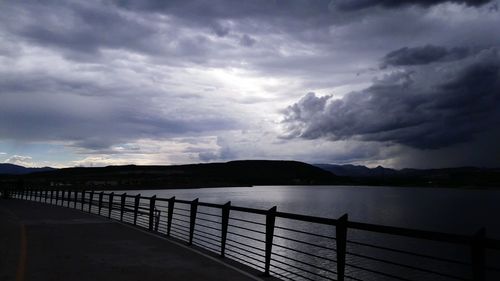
(78,27)
(351,5)
(94,116)
(221,29)
(425,108)
(247,40)
(424,55)
(96,74)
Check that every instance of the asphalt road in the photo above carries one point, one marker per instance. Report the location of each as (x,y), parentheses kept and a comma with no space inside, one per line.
(44,242)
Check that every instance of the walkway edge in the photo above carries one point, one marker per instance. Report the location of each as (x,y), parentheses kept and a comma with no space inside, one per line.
(192,250)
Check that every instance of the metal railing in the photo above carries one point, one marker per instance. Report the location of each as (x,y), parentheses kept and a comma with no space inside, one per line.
(293,246)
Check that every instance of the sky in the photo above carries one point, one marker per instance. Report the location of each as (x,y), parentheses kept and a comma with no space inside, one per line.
(397,83)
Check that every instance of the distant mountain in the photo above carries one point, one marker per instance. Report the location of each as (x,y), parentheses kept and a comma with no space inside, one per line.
(11,169)
(356,170)
(234,173)
(463,176)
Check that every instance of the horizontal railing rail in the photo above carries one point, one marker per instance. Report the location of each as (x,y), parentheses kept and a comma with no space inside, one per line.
(294,246)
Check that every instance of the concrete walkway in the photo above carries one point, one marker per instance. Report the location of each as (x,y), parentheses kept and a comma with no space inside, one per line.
(43,242)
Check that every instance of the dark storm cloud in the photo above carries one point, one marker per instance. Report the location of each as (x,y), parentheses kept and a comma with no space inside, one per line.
(351,5)
(94,74)
(178,32)
(424,55)
(239,9)
(424,108)
(247,41)
(77,27)
(221,29)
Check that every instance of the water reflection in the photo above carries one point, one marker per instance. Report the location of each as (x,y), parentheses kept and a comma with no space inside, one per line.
(298,255)
(446,210)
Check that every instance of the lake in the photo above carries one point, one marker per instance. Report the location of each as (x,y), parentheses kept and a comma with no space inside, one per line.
(461,211)
(458,211)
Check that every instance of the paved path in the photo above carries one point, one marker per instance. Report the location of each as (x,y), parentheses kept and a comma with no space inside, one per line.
(44,242)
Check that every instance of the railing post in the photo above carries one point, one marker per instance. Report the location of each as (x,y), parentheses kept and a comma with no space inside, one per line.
(225,222)
(136,207)
(478,255)
(51,196)
(46,195)
(62,197)
(100,202)
(57,197)
(152,202)
(270,220)
(69,198)
(122,206)
(157,219)
(31,194)
(76,199)
(170,214)
(82,200)
(192,219)
(91,200)
(341,238)
(110,207)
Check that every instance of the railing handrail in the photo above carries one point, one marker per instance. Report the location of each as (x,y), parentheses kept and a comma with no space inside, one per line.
(393,230)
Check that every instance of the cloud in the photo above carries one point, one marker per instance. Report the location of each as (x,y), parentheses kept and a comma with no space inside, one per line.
(426,108)
(247,41)
(221,29)
(424,55)
(95,108)
(102,77)
(352,5)
(25,161)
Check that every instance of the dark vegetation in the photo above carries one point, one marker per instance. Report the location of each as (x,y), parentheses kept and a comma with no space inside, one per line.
(242,173)
(12,169)
(234,173)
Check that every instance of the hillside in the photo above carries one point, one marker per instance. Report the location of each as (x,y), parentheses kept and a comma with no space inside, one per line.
(457,177)
(11,169)
(234,173)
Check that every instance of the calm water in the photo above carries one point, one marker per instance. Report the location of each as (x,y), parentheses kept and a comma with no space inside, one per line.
(460,211)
